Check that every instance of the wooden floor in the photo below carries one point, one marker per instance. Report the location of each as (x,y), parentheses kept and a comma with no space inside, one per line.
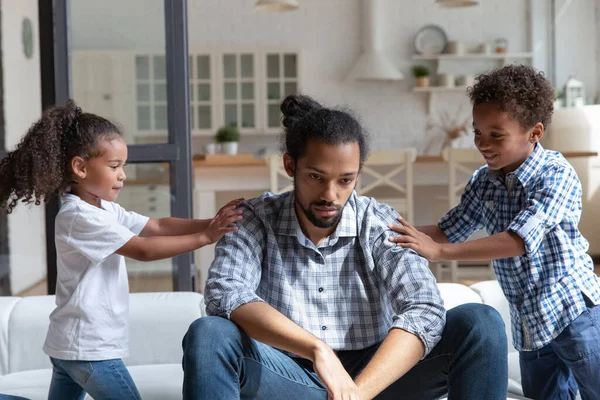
(165,284)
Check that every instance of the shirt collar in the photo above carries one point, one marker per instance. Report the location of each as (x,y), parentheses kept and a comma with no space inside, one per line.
(288,225)
(526,171)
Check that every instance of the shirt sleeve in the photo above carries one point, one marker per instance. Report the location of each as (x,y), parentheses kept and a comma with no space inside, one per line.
(236,271)
(133,221)
(552,197)
(97,237)
(464,219)
(411,288)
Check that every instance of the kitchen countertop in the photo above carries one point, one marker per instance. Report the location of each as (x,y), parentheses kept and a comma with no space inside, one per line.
(238,160)
(248,160)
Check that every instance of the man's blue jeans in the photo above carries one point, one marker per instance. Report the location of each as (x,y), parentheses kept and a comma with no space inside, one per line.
(470,362)
(103,380)
(568,363)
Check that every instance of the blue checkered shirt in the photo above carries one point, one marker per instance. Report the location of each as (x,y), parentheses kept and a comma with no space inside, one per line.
(541,202)
(349,291)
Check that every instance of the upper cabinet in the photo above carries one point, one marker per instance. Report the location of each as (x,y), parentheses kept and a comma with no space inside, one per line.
(239,81)
(281,81)
(243,87)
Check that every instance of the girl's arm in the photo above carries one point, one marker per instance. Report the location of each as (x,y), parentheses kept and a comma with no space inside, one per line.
(160,247)
(181,226)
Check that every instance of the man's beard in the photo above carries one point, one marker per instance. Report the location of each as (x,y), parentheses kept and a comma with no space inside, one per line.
(315,219)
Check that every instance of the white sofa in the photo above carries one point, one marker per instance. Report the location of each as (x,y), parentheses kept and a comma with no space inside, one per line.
(158,322)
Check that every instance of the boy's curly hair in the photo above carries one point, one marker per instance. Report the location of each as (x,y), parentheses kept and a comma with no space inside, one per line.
(39,167)
(526,95)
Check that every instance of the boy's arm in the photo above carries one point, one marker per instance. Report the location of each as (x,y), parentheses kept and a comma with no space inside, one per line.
(501,245)
(432,231)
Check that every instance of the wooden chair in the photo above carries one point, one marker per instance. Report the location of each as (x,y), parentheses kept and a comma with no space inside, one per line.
(390,172)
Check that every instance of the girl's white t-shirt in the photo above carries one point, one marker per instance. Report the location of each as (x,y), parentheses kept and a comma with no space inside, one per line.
(91,320)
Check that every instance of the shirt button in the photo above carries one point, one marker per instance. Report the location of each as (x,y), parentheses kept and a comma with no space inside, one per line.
(323,328)
(321,289)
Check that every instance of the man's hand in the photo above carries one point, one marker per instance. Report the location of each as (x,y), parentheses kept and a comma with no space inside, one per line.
(411,238)
(333,375)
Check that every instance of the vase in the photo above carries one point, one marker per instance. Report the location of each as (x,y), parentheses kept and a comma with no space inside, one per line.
(230,147)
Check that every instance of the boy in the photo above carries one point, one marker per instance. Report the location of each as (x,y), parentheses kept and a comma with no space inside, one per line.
(529,201)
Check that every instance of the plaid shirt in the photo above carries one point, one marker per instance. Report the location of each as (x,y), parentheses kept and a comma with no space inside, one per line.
(541,202)
(349,291)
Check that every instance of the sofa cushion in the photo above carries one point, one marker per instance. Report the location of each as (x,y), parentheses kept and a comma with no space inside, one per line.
(157,324)
(491,294)
(7,304)
(155,382)
(455,294)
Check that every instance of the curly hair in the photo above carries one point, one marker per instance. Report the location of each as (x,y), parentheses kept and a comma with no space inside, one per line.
(39,167)
(526,95)
(304,119)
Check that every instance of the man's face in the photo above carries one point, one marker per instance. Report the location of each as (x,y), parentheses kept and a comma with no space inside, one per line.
(324,179)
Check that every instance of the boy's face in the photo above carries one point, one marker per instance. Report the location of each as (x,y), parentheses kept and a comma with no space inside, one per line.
(501,139)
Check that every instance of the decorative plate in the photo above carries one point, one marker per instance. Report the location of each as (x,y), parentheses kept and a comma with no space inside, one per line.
(431,40)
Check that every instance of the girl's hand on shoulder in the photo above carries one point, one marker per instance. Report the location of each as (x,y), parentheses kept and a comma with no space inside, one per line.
(222,223)
(411,238)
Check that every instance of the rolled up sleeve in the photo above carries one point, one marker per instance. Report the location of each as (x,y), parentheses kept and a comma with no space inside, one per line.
(415,299)
(549,200)
(236,270)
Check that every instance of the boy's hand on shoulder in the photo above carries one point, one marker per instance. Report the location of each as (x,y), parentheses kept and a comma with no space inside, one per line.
(411,238)
(222,223)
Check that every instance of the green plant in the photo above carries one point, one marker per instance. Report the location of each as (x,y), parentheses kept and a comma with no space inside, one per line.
(420,71)
(228,133)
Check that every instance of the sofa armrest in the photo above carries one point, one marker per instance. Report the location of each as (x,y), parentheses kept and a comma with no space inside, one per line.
(7,304)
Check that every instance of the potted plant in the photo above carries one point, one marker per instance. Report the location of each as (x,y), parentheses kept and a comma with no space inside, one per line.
(228,136)
(421,73)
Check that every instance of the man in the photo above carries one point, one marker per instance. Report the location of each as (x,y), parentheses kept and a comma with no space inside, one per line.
(310,299)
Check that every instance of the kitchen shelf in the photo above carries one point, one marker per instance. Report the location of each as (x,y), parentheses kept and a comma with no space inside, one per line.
(438,58)
(437,89)
(432,90)
(472,56)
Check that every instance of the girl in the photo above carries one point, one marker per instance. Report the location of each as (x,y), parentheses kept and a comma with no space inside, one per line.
(80,156)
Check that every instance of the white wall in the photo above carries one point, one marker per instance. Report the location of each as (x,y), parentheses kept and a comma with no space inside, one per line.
(598,49)
(22,103)
(576,43)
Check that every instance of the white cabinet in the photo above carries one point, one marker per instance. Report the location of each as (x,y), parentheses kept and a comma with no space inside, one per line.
(244,87)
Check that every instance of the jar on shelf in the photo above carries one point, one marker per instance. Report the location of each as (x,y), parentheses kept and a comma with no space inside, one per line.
(501,45)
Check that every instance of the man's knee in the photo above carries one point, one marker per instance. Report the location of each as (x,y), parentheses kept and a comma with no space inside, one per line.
(210,333)
(478,321)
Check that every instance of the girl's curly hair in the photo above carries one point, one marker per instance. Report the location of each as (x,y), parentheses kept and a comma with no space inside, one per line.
(526,95)
(39,167)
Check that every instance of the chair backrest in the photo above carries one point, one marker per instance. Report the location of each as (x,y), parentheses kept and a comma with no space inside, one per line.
(382,170)
(461,166)
(278,174)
